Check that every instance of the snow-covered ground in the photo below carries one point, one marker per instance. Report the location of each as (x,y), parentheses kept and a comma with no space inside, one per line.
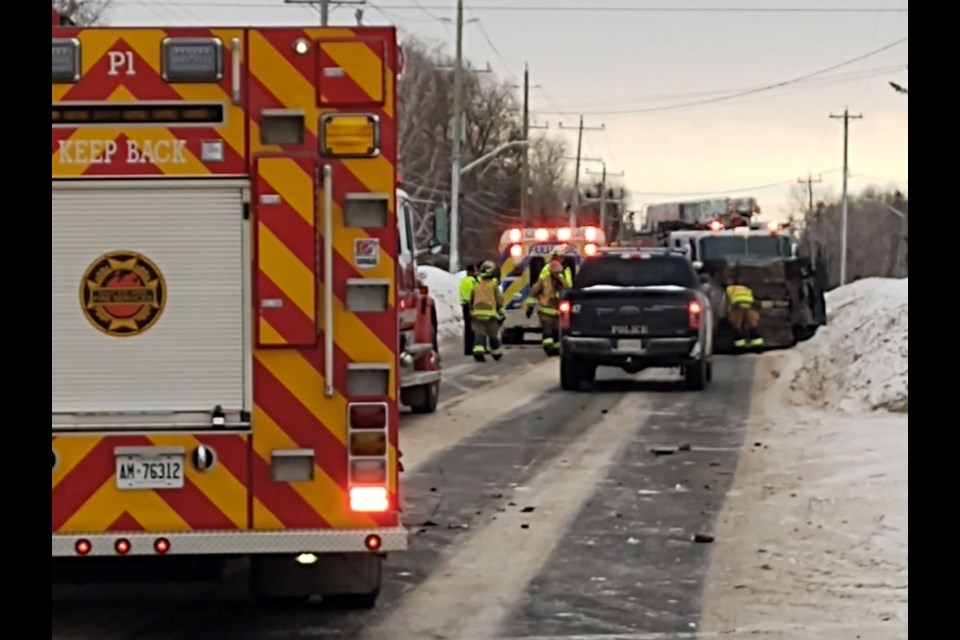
(445,288)
(812,539)
(858,362)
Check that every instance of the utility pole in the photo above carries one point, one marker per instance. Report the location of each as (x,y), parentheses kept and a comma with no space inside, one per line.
(575,200)
(603,193)
(846,203)
(525,156)
(325,8)
(457,134)
(809,182)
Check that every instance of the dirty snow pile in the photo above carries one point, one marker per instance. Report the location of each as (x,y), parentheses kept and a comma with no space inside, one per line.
(445,289)
(858,362)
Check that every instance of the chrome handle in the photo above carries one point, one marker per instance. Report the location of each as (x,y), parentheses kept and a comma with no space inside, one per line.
(328,280)
(235,74)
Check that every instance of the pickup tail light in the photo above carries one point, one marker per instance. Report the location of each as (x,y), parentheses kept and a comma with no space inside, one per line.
(695,314)
(590,249)
(564,309)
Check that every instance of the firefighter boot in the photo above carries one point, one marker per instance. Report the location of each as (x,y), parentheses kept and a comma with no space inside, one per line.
(740,343)
(480,349)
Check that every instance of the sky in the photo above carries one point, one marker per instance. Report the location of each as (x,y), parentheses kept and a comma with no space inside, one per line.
(694,104)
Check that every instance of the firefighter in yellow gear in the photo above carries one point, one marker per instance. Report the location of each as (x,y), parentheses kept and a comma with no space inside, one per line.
(467,284)
(486,314)
(545,294)
(742,316)
(567,273)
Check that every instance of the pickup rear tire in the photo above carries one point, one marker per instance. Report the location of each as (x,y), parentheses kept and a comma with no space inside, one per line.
(573,373)
(697,374)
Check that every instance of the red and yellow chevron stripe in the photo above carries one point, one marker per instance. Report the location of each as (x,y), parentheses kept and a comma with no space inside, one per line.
(291,410)
(85,157)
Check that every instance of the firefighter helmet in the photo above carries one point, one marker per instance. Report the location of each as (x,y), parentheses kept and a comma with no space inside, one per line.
(488,269)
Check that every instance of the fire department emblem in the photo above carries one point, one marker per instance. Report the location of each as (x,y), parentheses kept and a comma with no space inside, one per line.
(123,293)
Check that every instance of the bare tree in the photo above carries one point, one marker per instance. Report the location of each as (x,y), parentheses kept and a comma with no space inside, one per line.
(83,12)
(490,194)
(876,235)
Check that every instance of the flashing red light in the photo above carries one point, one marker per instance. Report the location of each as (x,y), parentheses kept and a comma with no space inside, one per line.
(161,545)
(773,226)
(516,251)
(372,542)
(82,547)
(564,309)
(367,416)
(563,234)
(716,225)
(541,234)
(122,546)
(695,314)
(590,249)
(590,234)
(515,235)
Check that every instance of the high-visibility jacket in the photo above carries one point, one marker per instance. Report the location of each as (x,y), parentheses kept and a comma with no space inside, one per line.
(740,295)
(567,275)
(546,293)
(467,283)
(486,300)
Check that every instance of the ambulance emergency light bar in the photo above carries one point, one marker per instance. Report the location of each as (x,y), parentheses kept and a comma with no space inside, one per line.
(180,114)
(563,234)
(182,60)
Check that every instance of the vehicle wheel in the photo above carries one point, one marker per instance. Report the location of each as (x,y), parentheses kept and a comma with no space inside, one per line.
(590,373)
(709,371)
(421,399)
(571,373)
(510,336)
(695,375)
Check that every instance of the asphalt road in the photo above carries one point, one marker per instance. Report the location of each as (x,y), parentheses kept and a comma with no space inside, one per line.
(537,514)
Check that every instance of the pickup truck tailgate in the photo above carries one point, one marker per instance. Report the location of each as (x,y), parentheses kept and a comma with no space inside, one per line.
(654,311)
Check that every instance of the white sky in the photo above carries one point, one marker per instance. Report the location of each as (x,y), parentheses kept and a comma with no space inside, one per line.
(598,62)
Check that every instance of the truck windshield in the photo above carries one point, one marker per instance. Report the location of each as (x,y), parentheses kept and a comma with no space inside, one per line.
(645,272)
(744,247)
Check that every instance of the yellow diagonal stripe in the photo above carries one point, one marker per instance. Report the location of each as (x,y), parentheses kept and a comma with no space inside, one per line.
(361,66)
(94,45)
(286,271)
(306,384)
(104,507)
(324,495)
(70,452)
(219,485)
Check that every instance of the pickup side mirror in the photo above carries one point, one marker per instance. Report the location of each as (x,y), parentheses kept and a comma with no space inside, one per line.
(697,265)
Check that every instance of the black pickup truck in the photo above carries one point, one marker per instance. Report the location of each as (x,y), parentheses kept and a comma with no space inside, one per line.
(635,309)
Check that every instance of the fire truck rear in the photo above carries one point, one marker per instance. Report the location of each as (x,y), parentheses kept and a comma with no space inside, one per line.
(225,327)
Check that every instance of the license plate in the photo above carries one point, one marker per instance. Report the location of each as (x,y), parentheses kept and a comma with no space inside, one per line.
(149,471)
(635,346)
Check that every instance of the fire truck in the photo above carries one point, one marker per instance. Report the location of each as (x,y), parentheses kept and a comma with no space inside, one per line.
(231,263)
(523,254)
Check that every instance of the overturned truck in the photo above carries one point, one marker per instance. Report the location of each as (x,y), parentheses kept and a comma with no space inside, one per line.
(788,289)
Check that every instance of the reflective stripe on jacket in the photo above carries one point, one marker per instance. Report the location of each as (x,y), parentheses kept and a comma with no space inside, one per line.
(740,295)
(546,294)
(467,283)
(567,275)
(485,300)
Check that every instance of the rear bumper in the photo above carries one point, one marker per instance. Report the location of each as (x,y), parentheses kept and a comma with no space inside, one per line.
(517,319)
(664,352)
(235,542)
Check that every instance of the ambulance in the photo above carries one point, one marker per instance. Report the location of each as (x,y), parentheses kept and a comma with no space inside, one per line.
(524,253)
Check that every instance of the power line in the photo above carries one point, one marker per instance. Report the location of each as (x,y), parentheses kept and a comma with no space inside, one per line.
(580,9)
(722,191)
(862,74)
(741,94)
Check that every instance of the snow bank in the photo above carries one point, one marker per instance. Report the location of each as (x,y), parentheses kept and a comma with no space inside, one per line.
(858,362)
(444,287)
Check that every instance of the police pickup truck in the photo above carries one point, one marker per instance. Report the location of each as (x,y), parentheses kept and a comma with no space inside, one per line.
(636,309)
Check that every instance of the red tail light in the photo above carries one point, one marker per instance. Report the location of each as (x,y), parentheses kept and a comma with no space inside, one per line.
(515,235)
(695,314)
(590,249)
(716,225)
(590,234)
(564,309)
(369,499)
(371,415)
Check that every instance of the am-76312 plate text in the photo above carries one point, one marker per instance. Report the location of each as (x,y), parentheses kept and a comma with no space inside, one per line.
(150,472)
